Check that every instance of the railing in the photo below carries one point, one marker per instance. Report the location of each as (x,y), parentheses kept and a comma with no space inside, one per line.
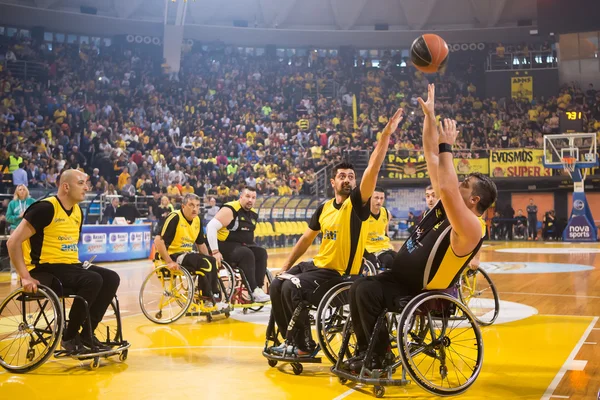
(26,69)
(531,60)
(320,185)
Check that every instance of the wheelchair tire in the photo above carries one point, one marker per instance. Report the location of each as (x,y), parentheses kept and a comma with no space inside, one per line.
(368,269)
(108,330)
(438,333)
(467,291)
(48,336)
(181,281)
(227,282)
(331,317)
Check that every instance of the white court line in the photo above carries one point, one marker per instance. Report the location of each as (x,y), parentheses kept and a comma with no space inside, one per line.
(195,347)
(578,365)
(554,396)
(553,294)
(590,343)
(563,370)
(347,393)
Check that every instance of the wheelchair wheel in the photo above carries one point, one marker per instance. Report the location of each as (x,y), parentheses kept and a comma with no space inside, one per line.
(226,281)
(368,269)
(447,358)
(477,291)
(108,330)
(166,295)
(33,323)
(331,316)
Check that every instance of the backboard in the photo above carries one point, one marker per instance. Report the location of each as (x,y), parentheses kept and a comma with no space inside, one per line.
(570,151)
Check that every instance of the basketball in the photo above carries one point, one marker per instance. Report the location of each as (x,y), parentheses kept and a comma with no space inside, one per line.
(429,53)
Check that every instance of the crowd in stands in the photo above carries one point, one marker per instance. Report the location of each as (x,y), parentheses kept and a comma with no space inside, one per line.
(229,119)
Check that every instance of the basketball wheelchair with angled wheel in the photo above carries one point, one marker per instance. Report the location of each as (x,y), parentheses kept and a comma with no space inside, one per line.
(238,288)
(438,345)
(167,295)
(328,308)
(32,326)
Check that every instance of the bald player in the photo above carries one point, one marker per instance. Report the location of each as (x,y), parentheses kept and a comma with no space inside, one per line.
(46,242)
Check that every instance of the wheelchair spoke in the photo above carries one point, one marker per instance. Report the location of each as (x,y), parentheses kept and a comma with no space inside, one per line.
(455,370)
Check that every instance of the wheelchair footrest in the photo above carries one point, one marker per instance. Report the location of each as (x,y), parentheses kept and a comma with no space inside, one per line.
(90,355)
(291,358)
(369,380)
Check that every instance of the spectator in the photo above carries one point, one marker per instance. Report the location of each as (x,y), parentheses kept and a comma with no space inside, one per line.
(211,210)
(520,225)
(16,208)
(20,177)
(128,189)
(110,212)
(532,211)
(128,211)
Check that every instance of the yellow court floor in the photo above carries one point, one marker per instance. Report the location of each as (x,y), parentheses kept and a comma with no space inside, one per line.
(544,344)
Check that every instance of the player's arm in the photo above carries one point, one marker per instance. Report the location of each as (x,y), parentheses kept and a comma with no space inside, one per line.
(305,241)
(466,229)
(223,218)
(201,241)
(474,264)
(36,218)
(430,137)
(164,240)
(369,178)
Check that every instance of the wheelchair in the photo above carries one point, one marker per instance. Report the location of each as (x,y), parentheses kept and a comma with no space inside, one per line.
(237,290)
(166,295)
(477,291)
(34,323)
(328,308)
(437,343)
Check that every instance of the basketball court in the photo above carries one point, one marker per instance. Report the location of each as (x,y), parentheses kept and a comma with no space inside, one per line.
(543,344)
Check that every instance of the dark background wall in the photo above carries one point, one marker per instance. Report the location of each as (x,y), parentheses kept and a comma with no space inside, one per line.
(545,82)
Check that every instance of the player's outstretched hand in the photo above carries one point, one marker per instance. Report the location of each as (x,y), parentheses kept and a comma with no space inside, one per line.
(429,105)
(448,132)
(393,123)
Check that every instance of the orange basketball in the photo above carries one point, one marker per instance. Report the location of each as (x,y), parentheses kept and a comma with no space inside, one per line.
(429,53)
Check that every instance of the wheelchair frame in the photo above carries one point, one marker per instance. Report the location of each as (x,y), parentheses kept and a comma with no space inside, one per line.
(409,308)
(119,347)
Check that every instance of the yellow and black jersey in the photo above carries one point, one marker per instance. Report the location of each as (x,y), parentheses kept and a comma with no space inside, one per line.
(242,226)
(377,238)
(344,233)
(180,235)
(57,232)
(426,260)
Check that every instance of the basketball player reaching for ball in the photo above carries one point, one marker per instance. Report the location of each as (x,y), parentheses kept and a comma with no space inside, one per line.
(453,231)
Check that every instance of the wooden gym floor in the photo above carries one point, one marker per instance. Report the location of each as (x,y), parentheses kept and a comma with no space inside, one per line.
(544,344)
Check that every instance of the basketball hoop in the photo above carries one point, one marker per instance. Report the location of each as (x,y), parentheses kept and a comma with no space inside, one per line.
(569,163)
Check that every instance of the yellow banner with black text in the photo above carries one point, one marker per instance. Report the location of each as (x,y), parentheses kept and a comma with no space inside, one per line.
(518,163)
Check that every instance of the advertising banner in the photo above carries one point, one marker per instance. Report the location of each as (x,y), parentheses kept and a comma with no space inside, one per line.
(581,227)
(521,87)
(398,167)
(518,163)
(115,242)
(466,166)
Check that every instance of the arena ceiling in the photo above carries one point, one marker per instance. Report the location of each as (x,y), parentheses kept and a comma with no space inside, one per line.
(355,15)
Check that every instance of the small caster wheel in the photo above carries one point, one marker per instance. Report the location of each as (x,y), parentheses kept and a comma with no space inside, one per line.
(297,369)
(30,354)
(443,371)
(159,315)
(343,380)
(379,391)
(95,363)
(272,363)
(123,355)
(244,311)
(209,318)
(227,314)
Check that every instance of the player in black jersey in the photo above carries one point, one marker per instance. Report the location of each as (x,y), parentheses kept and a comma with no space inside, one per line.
(442,245)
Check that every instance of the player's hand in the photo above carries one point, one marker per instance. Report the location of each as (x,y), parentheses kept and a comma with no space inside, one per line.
(448,132)
(283,269)
(30,284)
(219,258)
(173,266)
(393,123)
(428,106)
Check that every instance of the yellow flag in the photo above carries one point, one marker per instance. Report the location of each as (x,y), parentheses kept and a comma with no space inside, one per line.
(354,112)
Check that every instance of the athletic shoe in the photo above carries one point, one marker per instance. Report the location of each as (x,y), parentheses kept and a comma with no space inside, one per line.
(74,346)
(260,296)
(94,344)
(279,350)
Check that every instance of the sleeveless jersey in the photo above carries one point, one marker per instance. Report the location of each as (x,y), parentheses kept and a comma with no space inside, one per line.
(241,228)
(377,238)
(344,234)
(180,234)
(426,260)
(55,240)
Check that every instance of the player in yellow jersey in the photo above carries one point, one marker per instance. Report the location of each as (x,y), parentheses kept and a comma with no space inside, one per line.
(438,250)
(341,222)
(46,242)
(231,238)
(379,249)
(182,233)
